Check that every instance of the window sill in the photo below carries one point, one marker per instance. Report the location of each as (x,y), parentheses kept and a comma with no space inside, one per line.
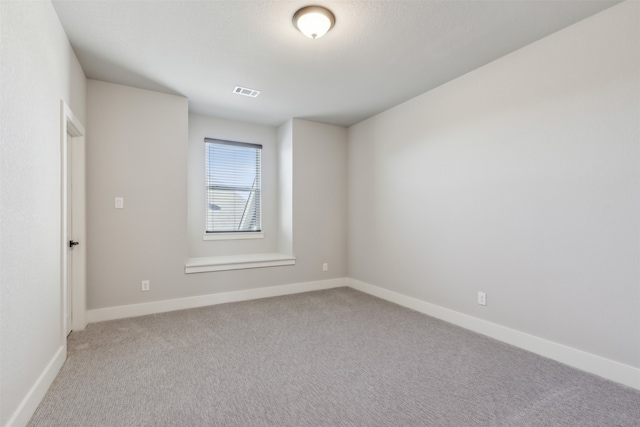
(237,262)
(233,236)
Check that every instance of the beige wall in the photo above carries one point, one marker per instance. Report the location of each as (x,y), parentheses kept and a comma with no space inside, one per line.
(319,160)
(319,198)
(38,69)
(519,179)
(285,187)
(138,148)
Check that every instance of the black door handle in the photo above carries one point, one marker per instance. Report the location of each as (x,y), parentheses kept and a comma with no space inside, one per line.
(72,243)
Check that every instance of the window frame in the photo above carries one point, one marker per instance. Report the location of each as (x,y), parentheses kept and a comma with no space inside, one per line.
(233,234)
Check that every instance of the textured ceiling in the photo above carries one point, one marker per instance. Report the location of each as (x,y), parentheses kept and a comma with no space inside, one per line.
(379,54)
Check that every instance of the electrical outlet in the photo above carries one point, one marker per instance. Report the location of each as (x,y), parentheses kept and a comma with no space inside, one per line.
(482,298)
(325,267)
(119,202)
(145,286)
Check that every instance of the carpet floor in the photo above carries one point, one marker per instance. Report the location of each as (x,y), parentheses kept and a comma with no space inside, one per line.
(329,358)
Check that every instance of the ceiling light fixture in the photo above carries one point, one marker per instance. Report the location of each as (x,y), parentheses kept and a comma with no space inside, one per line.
(314,21)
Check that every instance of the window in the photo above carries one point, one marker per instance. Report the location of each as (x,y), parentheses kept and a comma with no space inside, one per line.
(233,186)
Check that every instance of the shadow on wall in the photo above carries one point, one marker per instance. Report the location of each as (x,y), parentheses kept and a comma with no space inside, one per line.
(98,68)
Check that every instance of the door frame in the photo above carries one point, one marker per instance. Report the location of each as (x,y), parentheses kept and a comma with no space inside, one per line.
(70,125)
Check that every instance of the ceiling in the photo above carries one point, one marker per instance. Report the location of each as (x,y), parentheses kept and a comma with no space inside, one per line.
(379,54)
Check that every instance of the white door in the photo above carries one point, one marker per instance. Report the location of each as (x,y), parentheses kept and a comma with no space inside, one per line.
(73,230)
(70,246)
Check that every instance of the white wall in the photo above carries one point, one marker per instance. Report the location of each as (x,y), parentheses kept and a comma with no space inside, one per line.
(519,179)
(38,69)
(201,127)
(138,147)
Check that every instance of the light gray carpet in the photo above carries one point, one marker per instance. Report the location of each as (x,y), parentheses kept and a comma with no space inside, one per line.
(329,358)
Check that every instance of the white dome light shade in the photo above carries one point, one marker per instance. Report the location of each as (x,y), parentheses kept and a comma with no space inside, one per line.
(314,21)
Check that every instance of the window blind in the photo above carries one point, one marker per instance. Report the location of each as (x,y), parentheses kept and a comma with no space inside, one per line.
(233,171)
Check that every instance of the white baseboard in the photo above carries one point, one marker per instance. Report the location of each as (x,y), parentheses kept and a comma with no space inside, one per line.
(134,310)
(609,369)
(30,403)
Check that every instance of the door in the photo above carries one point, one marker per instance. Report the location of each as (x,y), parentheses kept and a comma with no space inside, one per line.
(73,225)
(69,286)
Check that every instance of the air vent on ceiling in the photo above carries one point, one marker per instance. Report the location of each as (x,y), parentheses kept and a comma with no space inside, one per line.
(246,91)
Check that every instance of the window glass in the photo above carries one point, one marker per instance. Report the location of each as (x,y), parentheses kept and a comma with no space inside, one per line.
(232,186)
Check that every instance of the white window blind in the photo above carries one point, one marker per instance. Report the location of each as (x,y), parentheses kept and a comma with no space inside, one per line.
(233,186)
